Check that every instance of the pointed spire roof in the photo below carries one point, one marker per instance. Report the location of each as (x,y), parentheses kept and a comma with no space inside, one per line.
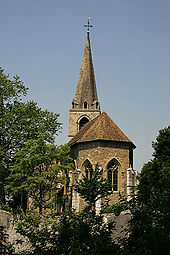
(86,87)
(100,128)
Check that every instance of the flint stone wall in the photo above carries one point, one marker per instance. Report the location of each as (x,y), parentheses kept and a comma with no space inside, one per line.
(7,221)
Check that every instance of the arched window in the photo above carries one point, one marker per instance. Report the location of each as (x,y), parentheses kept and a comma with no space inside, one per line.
(112,173)
(83,121)
(88,170)
(85,105)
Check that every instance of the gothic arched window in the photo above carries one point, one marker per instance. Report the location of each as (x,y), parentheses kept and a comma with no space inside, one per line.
(88,169)
(112,173)
(83,121)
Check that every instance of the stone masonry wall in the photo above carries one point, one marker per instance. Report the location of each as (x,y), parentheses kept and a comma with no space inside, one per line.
(7,221)
(74,118)
(102,152)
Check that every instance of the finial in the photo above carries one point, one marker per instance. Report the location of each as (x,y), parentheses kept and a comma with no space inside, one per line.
(88,25)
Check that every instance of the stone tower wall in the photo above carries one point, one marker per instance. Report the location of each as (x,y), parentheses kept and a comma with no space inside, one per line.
(74,118)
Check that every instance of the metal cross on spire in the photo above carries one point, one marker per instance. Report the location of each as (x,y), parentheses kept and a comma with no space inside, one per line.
(88,25)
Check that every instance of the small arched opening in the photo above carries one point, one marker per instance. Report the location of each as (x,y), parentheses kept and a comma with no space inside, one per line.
(82,122)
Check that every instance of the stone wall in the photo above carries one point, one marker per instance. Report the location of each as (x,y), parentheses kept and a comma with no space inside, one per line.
(74,119)
(121,223)
(102,152)
(7,220)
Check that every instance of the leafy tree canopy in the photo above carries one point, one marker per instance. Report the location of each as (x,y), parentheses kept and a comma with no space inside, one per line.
(150,224)
(38,172)
(20,122)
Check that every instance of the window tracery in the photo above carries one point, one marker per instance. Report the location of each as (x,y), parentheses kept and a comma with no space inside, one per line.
(112,174)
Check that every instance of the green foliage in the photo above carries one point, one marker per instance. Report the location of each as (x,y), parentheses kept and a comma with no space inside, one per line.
(38,230)
(116,208)
(10,92)
(150,224)
(72,233)
(162,145)
(38,170)
(20,122)
(5,247)
(85,233)
(94,188)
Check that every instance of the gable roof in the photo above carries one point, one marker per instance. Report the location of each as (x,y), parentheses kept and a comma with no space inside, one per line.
(100,128)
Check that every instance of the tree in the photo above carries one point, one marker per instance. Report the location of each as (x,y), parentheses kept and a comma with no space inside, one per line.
(38,170)
(150,223)
(85,233)
(94,188)
(72,233)
(19,122)
(5,247)
(10,91)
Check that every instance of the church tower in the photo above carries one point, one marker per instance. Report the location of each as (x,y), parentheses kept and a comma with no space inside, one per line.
(85,106)
(94,138)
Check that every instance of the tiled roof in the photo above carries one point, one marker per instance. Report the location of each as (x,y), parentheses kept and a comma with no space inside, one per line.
(100,128)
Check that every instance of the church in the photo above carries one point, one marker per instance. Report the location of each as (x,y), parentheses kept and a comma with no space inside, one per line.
(94,138)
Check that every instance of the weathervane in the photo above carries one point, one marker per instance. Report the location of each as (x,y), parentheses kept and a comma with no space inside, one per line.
(88,25)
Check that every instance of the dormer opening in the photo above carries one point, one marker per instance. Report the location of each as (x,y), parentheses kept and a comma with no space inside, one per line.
(85,105)
(72,105)
(97,105)
(83,121)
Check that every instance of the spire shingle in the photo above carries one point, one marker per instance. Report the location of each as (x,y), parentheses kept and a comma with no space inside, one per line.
(86,87)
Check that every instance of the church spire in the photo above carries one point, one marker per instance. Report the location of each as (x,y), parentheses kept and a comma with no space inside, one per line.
(86,93)
(85,106)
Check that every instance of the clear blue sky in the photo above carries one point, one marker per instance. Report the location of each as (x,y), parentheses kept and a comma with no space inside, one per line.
(43,41)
